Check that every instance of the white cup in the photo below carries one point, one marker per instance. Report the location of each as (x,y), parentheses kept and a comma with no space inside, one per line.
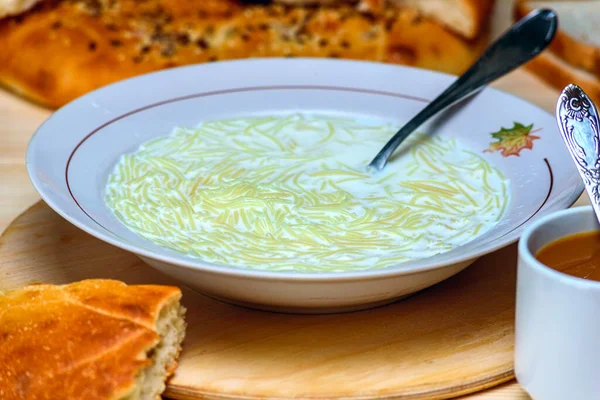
(557,349)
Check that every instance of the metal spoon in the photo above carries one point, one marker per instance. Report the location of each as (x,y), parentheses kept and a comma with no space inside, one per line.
(523,41)
(577,119)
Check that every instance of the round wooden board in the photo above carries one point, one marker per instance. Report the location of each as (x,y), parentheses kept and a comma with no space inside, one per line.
(449,340)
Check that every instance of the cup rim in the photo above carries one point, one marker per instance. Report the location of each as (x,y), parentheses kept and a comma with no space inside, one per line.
(532,262)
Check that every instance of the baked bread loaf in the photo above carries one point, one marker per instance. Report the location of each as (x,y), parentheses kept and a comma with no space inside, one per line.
(465,17)
(558,73)
(92,340)
(574,55)
(64,49)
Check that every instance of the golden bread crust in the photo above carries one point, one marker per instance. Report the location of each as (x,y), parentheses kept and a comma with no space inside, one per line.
(64,49)
(468,18)
(474,14)
(558,75)
(140,304)
(87,340)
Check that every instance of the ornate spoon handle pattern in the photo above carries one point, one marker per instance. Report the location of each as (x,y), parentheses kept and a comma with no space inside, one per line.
(577,119)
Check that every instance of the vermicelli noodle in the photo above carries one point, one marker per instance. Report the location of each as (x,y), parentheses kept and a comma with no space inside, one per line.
(292,193)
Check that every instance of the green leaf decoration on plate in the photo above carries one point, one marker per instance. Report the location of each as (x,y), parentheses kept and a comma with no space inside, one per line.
(512,141)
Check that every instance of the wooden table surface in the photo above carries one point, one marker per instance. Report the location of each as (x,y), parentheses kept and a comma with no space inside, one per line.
(19,119)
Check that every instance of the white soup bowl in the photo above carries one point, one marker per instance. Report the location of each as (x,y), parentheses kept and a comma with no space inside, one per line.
(71,155)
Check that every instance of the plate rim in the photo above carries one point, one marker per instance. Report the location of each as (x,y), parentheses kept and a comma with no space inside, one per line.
(198,264)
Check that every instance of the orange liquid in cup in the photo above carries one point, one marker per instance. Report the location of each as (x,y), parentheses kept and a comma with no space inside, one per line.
(577,255)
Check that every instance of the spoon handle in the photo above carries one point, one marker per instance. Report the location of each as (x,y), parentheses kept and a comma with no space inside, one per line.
(577,119)
(523,41)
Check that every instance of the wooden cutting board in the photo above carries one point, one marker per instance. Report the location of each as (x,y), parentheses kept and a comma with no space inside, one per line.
(452,339)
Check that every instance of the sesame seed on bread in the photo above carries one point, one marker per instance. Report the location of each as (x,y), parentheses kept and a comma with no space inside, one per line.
(63,49)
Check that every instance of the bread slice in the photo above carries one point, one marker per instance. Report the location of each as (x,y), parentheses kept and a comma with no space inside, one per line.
(62,50)
(93,340)
(578,39)
(465,17)
(14,7)
(558,74)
